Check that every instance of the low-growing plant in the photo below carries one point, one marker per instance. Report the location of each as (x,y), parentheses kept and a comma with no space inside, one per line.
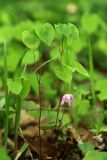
(18,84)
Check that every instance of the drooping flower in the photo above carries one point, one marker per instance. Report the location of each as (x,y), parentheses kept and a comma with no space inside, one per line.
(67,99)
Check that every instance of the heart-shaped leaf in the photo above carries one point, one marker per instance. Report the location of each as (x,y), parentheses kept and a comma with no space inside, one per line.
(45,32)
(25,90)
(15,86)
(63,29)
(65,74)
(79,68)
(30,57)
(74,31)
(30,40)
(90,23)
(69,30)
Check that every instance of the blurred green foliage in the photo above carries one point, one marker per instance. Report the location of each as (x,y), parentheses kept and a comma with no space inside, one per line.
(89,16)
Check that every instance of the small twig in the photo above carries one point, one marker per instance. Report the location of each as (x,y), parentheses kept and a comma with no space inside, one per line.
(41,65)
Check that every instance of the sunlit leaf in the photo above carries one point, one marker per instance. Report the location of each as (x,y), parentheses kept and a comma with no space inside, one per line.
(15,86)
(25,89)
(34,82)
(31,57)
(3,154)
(79,68)
(68,30)
(45,32)
(101,86)
(85,146)
(30,40)
(64,73)
(63,29)
(96,155)
(74,31)
(90,23)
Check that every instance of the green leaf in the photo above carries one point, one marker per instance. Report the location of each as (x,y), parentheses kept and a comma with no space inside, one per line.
(3,154)
(47,127)
(74,31)
(1,83)
(103,95)
(103,129)
(90,23)
(79,68)
(2,103)
(15,86)
(47,81)
(30,105)
(85,146)
(30,40)
(64,73)
(34,82)
(31,57)
(45,32)
(83,107)
(68,30)
(26,88)
(63,29)
(96,156)
(101,86)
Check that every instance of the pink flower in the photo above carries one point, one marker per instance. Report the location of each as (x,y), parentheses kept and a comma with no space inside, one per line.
(67,99)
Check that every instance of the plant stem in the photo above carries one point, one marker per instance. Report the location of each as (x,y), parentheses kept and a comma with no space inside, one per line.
(40,114)
(41,65)
(58,111)
(62,118)
(17,72)
(91,66)
(6,97)
(40,111)
(61,50)
(17,118)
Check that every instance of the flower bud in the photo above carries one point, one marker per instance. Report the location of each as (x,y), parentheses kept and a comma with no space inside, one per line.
(67,99)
